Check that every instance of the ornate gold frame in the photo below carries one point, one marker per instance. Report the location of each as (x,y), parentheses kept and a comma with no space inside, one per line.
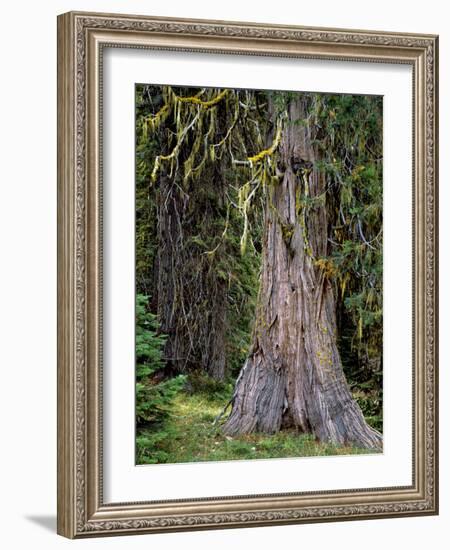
(81,37)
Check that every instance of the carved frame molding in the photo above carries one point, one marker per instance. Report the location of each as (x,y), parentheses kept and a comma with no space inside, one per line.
(81,37)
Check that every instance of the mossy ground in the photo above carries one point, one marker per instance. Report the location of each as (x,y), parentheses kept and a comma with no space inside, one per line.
(189,435)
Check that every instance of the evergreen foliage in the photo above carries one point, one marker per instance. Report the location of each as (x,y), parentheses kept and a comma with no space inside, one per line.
(350,139)
(185,133)
(154,391)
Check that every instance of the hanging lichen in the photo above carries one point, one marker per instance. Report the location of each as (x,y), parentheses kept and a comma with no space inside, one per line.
(212,159)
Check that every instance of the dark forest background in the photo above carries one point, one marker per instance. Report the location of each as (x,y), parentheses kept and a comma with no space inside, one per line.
(186,367)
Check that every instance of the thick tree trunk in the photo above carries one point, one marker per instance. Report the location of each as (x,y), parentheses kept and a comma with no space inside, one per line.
(186,282)
(293,375)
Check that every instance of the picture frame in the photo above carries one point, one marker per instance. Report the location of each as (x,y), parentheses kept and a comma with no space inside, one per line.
(82,40)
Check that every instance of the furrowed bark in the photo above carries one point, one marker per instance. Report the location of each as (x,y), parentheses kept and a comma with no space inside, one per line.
(186,281)
(293,376)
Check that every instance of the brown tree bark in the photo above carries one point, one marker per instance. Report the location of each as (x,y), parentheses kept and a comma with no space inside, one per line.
(186,281)
(293,376)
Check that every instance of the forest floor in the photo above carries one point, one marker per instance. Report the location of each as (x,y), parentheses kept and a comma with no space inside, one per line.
(190,435)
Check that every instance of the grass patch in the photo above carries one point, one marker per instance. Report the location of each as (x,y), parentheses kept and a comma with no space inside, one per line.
(190,436)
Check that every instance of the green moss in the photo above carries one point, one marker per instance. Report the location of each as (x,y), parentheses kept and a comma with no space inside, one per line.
(287,230)
(191,436)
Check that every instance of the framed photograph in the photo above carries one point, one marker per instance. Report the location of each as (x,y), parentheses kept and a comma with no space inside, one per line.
(247,282)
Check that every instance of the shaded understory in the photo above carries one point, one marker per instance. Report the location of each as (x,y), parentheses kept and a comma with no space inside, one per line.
(190,435)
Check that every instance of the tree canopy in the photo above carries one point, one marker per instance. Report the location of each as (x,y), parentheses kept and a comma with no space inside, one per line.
(209,158)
